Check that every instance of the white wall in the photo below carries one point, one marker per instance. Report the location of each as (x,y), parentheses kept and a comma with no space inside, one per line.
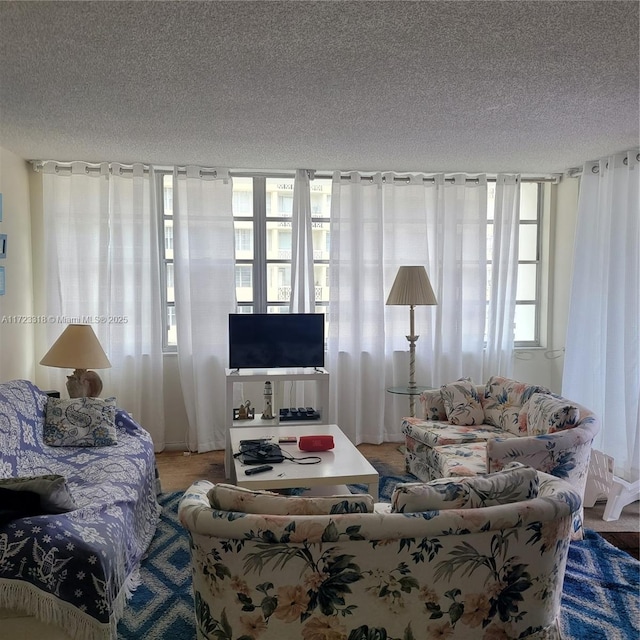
(16,333)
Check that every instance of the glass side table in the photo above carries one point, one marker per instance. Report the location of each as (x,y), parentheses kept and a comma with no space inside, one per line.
(412,393)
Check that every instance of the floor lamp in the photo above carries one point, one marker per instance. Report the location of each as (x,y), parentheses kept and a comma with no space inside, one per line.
(412,287)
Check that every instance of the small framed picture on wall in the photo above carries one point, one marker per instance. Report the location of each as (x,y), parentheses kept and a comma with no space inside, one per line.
(1,281)
(3,245)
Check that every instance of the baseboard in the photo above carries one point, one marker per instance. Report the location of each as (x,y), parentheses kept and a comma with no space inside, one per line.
(176,446)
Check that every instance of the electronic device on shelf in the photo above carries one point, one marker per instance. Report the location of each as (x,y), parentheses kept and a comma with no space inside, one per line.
(300,413)
(276,340)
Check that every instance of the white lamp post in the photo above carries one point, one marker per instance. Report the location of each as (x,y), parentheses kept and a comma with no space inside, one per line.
(412,287)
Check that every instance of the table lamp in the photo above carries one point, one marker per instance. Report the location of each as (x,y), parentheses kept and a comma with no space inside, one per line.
(412,287)
(78,348)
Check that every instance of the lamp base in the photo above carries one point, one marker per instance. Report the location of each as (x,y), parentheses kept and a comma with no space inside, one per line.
(84,384)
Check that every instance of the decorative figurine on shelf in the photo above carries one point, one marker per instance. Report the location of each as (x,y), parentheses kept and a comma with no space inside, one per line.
(267,413)
(244,411)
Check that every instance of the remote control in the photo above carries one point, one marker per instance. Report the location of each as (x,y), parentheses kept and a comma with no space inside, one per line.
(260,469)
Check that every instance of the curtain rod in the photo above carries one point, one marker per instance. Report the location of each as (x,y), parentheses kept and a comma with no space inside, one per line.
(431,180)
(204,171)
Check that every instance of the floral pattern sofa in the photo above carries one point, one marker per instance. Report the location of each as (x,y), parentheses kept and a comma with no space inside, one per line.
(478,558)
(467,429)
(78,510)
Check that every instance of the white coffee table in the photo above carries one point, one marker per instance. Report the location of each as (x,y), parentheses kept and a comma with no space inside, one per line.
(343,464)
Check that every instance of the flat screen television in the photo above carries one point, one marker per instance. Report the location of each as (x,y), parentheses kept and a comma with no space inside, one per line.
(276,340)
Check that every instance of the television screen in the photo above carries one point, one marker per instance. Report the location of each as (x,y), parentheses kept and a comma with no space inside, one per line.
(275,340)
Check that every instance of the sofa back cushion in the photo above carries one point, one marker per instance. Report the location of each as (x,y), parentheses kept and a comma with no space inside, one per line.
(503,400)
(548,414)
(462,403)
(503,487)
(227,497)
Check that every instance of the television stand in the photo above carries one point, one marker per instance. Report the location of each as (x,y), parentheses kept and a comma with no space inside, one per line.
(277,377)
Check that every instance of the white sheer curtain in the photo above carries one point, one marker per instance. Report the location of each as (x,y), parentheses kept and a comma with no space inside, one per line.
(377,225)
(302,277)
(356,342)
(504,277)
(457,236)
(602,360)
(101,267)
(302,281)
(204,271)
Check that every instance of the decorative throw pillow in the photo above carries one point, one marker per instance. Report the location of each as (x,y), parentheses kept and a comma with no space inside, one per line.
(80,422)
(548,414)
(503,487)
(462,403)
(227,497)
(432,405)
(52,489)
(503,400)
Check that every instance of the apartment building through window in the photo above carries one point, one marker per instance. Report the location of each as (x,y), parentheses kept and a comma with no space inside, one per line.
(262,213)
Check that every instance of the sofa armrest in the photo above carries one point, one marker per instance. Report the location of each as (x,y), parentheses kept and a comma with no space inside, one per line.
(564,454)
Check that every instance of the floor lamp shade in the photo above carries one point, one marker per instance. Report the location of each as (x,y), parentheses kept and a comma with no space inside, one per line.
(412,287)
(78,348)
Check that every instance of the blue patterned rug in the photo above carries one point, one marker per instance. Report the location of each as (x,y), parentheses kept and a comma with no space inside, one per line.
(600,599)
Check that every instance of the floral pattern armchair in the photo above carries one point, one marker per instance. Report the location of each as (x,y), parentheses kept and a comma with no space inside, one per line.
(468,429)
(487,573)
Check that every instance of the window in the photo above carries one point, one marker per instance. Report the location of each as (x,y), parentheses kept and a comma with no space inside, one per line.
(267,256)
(244,241)
(168,297)
(285,204)
(262,210)
(527,320)
(244,277)
(242,202)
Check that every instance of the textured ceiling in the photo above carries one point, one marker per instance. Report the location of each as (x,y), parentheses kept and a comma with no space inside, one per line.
(534,87)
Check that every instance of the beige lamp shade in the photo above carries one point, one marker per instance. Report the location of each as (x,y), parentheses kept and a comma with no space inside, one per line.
(412,287)
(76,348)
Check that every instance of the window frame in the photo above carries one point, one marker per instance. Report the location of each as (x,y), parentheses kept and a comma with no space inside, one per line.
(259,264)
(536,302)
(167,306)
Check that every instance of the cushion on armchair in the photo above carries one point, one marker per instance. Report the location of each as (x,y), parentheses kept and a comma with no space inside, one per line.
(227,497)
(548,414)
(514,484)
(462,403)
(503,400)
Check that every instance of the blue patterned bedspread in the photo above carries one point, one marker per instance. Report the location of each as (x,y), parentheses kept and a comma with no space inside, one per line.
(87,558)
